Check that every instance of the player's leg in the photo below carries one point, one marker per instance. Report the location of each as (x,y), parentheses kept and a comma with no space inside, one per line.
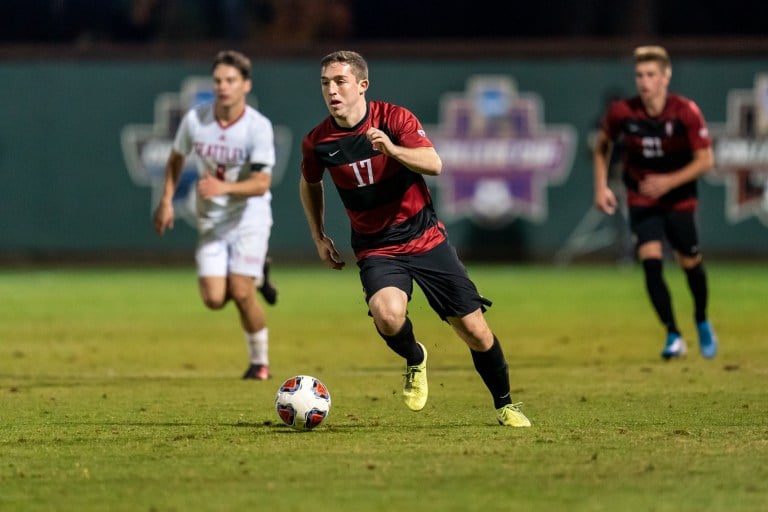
(487,354)
(242,290)
(454,297)
(247,254)
(490,364)
(683,235)
(213,291)
(253,321)
(388,308)
(211,258)
(388,287)
(648,226)
(267,289)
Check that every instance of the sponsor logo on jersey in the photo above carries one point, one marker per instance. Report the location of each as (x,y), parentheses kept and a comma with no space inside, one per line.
(146,146)
(741,153)
(498,155)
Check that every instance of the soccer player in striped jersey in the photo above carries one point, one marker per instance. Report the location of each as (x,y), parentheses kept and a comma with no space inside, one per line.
(233,146)
(666,148)
(377,154)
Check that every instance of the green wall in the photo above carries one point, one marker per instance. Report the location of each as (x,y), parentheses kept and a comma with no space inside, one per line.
(66,189)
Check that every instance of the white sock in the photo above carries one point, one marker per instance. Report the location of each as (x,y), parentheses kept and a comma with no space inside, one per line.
(258,346)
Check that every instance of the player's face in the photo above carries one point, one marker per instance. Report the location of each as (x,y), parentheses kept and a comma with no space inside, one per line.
(651,80)
(229,86)
(344,95)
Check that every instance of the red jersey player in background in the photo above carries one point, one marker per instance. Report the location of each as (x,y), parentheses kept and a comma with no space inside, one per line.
(666,148)
(376,154)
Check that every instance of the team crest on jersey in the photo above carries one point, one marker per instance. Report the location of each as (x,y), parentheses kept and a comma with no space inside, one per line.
(498,156)
(741,153)
(146,146)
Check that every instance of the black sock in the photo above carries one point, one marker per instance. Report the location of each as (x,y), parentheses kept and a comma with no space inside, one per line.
(697,282)
(659,294)
(404,344)
(494,371)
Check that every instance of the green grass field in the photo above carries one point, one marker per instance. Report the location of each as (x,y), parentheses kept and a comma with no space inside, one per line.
(120,392)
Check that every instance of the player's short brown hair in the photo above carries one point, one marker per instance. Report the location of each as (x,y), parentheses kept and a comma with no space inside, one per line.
(354,59)
(653,54)
(236,60)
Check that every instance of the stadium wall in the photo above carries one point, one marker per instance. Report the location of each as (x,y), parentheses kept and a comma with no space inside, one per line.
(72,190)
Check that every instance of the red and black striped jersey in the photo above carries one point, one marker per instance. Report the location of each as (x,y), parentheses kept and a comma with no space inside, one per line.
(660,144)
(389,206)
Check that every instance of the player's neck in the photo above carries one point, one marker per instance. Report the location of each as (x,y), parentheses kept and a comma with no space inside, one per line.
(655,106)
(228,115)
(355,115)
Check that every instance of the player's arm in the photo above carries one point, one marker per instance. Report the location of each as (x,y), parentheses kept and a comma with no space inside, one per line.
(423,160)
(656,185)
(605,200)
(163,217)
(313,201)
(257,184)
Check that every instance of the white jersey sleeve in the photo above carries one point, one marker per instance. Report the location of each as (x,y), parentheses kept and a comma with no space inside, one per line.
(263,137)
(182,143)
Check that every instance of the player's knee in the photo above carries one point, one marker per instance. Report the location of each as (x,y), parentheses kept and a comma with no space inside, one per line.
(650,250)
(214,303)
(479,340)
(688,262)
(474,330)
(388,322)
(389,315)
(242,295)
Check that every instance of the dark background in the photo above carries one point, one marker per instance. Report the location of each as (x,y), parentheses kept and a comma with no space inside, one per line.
(286,21)
(74,73)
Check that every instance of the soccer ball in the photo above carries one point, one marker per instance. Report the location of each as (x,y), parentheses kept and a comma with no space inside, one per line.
(303,402)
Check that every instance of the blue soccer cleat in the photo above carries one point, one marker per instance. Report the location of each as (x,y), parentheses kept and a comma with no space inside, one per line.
(707,339)
(675,347)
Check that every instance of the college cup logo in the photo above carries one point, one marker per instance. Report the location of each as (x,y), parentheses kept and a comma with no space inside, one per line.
(498,155)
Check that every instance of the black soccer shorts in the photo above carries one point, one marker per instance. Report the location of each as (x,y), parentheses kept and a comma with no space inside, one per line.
(654,224)
(438,272)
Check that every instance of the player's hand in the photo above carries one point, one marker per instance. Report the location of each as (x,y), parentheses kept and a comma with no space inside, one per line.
(605,201)
(163,217)
(656,185)
(380,141)
(328,253)
(209,187)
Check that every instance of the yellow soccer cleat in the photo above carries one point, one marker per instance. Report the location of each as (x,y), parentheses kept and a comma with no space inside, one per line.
(511,416)
(415,388)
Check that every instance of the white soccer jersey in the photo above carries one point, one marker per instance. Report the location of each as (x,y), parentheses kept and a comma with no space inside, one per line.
(228,153)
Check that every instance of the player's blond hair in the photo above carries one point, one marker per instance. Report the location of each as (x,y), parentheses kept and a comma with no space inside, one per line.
(354,59)
(235,59)
(653,54)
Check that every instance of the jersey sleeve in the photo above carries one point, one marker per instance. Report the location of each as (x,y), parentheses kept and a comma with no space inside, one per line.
(263,152)
(408,129)
(698,133)
(610,122)
(182,143)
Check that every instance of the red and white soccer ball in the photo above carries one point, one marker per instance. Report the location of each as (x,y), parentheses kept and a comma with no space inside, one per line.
(303,402)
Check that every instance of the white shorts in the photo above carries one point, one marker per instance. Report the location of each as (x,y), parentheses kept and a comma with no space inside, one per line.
(237,249)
